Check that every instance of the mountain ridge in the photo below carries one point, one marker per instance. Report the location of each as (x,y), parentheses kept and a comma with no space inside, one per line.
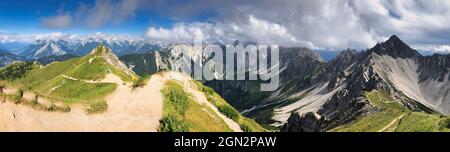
(318,96)
(43,48)
(391,67)
(97,92)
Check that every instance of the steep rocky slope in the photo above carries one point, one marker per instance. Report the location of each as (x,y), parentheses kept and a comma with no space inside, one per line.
(297,66)
(391,67)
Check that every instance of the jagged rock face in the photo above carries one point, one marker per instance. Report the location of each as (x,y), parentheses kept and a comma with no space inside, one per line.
(422,79)
(419,83)
(179,57)
(344,89)
(310,120)
(299,67)
(296,65)
(434,80)
(395,48)
(161,63)
(147,63)
(343,60)
(434,67)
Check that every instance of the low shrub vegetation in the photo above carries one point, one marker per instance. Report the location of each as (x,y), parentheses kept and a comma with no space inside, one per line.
(141,82)
(17,97)
(178,98)
(172,123)
(97,107)
(230,112)
(15,70)
(34,102)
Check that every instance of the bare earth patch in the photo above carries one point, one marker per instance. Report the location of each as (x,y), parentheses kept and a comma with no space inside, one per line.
(138,110)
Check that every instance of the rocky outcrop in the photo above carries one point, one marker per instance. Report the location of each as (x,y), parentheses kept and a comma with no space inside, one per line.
(298,66)
(392,67)
(309,122)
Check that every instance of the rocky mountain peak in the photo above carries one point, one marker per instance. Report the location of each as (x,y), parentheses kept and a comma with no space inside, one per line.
(394,38)
(43,48)
(100,49)
(344,59)
(301,52)
(346,54)
(111,58)
(395,47)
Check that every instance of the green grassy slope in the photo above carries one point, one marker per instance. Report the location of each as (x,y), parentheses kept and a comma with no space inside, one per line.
(53,81)
(182,114)
(246,124)
(391,116)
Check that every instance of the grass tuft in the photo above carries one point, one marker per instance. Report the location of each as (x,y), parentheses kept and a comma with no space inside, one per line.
(230,112)
(172,123)
(97,107)
(141,82)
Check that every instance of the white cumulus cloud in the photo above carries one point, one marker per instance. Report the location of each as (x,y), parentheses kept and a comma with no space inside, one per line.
(60,21)
(253,29)
(75,38)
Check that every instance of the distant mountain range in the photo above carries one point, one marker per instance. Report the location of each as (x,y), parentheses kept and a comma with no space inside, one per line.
(44,48)
(51,50)
(47,51)
(8,58)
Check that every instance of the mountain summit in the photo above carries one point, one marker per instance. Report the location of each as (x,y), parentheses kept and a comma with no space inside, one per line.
(43,49)
(395,47)
(109,56)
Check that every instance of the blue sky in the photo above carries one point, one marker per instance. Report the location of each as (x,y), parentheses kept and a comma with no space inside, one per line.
(25,16)
(317,24)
